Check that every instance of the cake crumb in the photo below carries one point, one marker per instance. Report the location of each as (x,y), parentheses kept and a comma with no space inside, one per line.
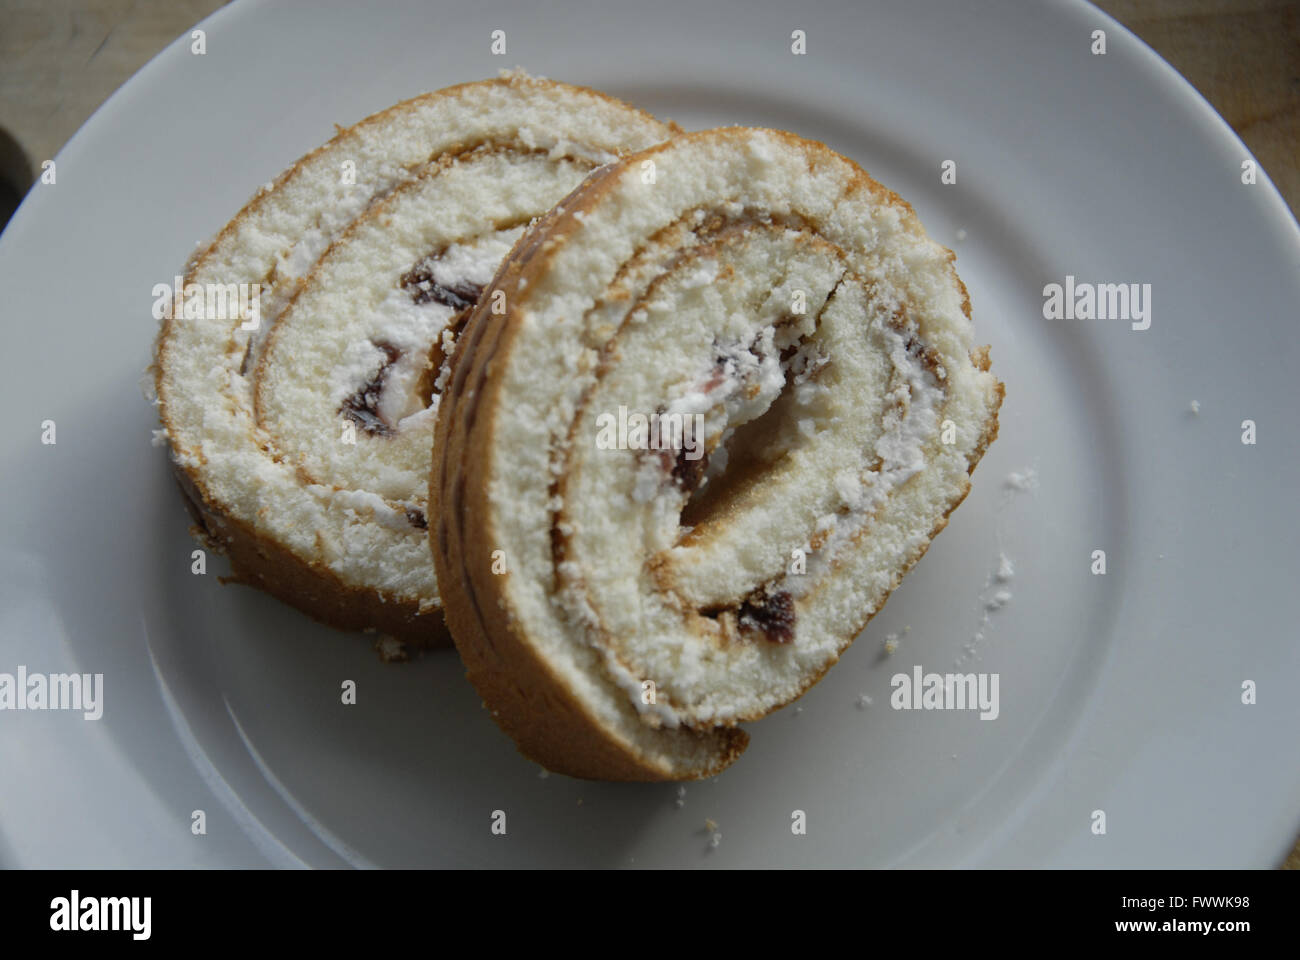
(390,649)
(998,600)
(863,701)
(543,774)
(715,835)
(1194,408)
(1006,569)
(681,798)
(1025,481)
(991,599)
(961,234)
(891,644)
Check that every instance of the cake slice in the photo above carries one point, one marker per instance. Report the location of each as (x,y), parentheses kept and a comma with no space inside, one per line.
(301,431)
(732,398)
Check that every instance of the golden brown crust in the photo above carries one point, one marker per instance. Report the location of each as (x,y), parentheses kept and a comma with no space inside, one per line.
(261,562)
(258,562)
(528,699)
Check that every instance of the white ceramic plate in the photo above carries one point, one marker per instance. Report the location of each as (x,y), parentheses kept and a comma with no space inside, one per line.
(1120,693)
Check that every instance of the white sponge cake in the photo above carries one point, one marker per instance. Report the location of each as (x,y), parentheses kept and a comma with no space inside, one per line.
(304,444)
(733,395)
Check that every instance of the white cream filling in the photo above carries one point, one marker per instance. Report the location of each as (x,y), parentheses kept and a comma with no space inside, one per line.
(901,448)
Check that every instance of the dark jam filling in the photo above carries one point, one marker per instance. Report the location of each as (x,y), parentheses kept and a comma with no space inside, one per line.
(363,406)
(419,283)
(688,473)
(926,355)
(769,614)
(461,296)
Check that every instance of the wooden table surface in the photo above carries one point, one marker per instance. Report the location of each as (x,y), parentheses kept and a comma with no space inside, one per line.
(60,59)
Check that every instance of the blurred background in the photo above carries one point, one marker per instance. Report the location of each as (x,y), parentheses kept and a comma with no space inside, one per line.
(60,59)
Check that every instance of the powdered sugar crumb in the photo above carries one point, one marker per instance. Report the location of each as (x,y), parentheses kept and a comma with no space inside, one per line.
(1025,481)
(1006,569)
(390,649)
(991,599)
(998,600)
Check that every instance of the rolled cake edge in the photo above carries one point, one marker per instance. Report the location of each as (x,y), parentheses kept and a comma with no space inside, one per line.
(529,700)
(259,561)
